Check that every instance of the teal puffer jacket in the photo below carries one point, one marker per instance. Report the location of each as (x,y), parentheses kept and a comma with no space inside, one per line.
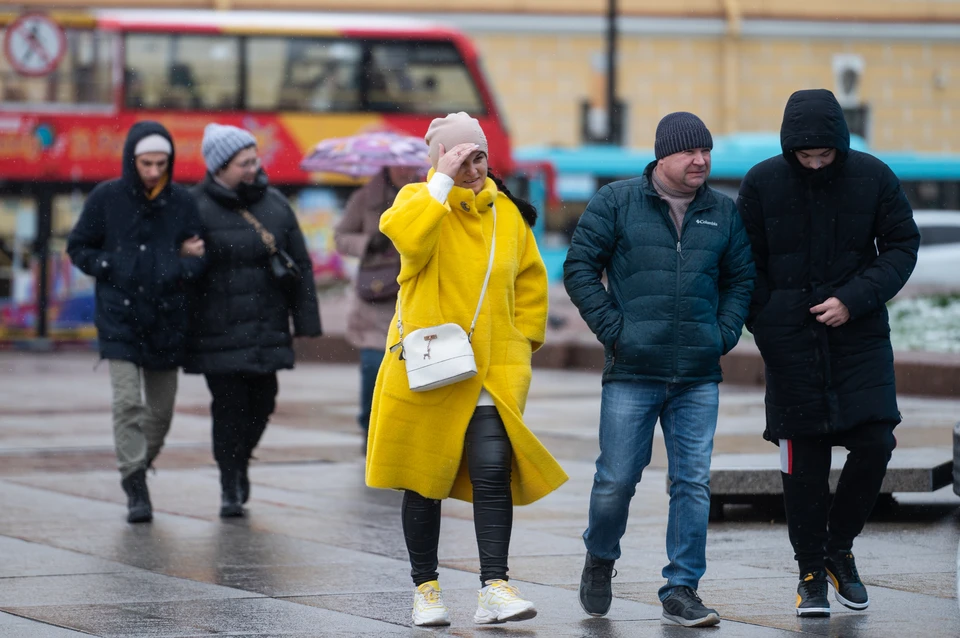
(672,305)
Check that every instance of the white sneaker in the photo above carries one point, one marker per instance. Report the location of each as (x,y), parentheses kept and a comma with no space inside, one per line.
(500,602)
(428,607)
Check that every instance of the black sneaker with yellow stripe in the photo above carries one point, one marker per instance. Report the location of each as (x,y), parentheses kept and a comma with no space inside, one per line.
(847,586)
(812,595)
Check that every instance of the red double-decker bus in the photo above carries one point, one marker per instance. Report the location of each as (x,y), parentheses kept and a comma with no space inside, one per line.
(290,78)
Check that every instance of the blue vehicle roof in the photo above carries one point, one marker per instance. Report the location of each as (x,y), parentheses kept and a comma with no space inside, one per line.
(733,155)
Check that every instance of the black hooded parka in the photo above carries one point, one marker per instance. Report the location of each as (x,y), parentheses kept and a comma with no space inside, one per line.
(131,245)
(242,315)
(844,231)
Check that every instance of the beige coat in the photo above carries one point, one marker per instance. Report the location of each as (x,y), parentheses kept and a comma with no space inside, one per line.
(367,322)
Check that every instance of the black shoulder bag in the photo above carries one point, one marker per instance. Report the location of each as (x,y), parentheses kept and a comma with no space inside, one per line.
(282,266)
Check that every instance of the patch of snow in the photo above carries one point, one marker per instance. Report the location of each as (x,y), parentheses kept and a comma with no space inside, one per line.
(930,324)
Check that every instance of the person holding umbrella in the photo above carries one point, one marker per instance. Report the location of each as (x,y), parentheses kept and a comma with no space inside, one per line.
(468,439)
(393,160)
(375,291)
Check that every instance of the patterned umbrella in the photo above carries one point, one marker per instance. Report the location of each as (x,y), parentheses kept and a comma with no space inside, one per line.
(366,154)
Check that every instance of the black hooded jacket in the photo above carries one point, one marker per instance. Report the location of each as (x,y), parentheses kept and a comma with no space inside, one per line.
(131,245)
(843,231)
(241,314)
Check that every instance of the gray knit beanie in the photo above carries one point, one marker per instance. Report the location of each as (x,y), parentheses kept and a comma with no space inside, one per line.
(221,143)
(681,131)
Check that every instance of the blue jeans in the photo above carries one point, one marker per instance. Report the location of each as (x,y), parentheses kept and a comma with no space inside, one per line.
(370,360)
(628,415)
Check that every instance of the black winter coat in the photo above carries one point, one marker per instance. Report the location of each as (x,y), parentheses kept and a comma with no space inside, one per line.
(674,305)
(241,313)
(131,245)
(843,231)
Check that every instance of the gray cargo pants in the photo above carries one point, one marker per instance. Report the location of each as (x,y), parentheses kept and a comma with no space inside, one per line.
(140,424)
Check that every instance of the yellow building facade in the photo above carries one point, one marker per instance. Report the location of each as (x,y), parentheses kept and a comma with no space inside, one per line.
(733,62)
(912,88)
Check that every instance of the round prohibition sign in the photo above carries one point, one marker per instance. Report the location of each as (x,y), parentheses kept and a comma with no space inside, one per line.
(34,44)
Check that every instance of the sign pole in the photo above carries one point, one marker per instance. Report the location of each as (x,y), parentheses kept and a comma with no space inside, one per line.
(613,132)
(42,252)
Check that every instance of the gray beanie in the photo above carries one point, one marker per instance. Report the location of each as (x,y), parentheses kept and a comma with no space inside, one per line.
(681,131)
(221,143)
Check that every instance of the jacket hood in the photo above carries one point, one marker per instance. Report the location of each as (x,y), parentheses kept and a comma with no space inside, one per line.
(137,132)
(813,119)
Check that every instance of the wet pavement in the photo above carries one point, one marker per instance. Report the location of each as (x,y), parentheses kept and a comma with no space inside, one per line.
(319,554)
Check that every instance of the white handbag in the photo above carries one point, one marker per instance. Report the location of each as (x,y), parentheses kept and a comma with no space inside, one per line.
(441,355)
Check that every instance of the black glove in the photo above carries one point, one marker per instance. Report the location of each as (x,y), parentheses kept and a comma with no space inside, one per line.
(378,243)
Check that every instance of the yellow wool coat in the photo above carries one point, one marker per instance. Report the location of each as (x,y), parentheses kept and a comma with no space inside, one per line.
(416,439)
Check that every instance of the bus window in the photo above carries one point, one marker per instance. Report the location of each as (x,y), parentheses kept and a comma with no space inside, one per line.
(182,72)
(929,194)
(82,78)
(420,77)
(300,74)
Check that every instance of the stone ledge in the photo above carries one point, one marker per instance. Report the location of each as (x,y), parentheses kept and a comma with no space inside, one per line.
(749,475)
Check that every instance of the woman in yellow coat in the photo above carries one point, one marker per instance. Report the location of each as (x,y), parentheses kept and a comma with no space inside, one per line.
(466,440)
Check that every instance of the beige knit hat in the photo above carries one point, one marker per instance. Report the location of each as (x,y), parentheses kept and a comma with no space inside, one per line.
(456,128)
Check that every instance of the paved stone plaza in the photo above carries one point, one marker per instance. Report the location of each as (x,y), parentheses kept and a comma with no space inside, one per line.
(319,554)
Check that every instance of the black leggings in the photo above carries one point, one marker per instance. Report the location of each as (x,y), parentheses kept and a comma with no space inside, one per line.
(816,525)
(489,457)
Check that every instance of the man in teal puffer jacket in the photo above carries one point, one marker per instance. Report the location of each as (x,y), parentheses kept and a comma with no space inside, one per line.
(680,275)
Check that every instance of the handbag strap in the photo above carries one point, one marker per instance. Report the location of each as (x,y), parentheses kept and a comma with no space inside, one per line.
(265,235)
(483,290)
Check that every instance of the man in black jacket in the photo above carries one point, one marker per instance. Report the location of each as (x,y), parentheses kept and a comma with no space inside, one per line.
(139,236)
(833,240)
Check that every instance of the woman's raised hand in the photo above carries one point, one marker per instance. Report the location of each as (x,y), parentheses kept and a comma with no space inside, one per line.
(450,161)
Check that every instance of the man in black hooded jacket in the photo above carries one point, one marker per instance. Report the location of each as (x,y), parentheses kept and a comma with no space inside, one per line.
(139,236)
(833,239)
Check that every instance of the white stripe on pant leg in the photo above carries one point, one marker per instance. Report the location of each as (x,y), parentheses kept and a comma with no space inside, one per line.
(785,456)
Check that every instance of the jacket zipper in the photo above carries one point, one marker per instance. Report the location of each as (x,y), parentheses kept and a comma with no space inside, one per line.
(676,316)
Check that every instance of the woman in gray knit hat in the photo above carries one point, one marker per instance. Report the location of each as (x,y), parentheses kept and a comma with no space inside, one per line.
(241,327)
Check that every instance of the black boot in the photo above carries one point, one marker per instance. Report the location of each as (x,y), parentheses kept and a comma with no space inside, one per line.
(139,509)
(231,499)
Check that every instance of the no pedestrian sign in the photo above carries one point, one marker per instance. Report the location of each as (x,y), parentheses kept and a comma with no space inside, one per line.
(34,44)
